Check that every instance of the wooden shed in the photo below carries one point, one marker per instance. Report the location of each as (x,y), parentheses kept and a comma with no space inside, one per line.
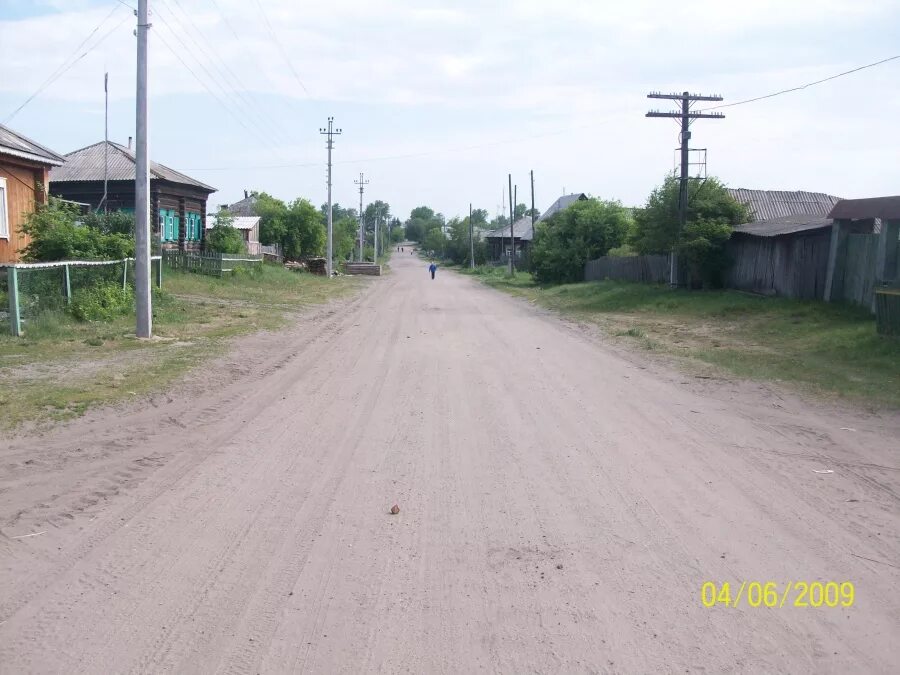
(177,201)
(24,169)
(785,256)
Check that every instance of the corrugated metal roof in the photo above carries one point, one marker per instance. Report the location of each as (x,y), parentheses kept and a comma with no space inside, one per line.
(562,203)
(768,204)
(17,145)
(87,163)
(886,208)
(239,223)
(785,225)
(522,229)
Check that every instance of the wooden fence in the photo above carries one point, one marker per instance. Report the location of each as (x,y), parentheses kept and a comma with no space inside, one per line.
(210,264)
(652,269)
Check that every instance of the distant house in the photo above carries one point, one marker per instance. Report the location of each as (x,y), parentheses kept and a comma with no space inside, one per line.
(248,226)
(561,204)
(784,250)
(244,207)
(24,177)
(177,201)
(498,240)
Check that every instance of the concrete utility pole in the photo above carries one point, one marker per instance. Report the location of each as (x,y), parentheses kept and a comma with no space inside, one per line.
(375,247)
(512,237)
(685,116)
(362,182)
(144,319)
(330,132)
(471,239)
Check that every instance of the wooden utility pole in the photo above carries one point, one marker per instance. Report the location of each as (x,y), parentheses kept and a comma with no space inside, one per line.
(471,239)
(533,214)
(685,116)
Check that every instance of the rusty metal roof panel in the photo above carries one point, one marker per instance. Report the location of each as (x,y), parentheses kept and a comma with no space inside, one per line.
(87,164)
(886,208)
(769,204)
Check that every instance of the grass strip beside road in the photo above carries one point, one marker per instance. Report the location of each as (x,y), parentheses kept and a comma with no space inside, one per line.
(822,348)
(62,367)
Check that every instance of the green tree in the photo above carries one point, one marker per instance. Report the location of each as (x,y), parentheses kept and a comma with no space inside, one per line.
(304,230)
(711,214)
(435,242)
(57,231)
(568,239)
(112,222)
(345,232)
(223,237)
(272,213)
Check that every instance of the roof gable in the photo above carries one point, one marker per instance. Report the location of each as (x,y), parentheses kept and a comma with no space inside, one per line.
(522,229)
(17,145)
(87,164)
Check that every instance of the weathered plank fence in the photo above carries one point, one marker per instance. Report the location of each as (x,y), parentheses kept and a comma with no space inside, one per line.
(887,311)
(211,264)
(788,266)
(653,269)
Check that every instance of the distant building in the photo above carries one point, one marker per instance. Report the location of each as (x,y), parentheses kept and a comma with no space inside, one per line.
(177,201)
(248,226)
(498,240)
(24,177)
(562,203)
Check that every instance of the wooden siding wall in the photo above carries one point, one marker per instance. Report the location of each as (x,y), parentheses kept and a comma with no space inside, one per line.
(792,266)
(651,269)
(22,182)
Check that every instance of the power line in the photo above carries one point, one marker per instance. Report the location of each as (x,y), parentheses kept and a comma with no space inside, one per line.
(62,68)
(805,86)
(228,109)
(225,19)
(281,48)
(236,85)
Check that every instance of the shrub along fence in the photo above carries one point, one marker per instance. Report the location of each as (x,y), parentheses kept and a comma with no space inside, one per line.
(32,288)
(651,269)
(211,264)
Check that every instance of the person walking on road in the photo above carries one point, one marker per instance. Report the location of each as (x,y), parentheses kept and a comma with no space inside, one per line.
(432,268)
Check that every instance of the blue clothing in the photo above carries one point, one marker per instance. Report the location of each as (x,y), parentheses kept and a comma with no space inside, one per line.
(432,268)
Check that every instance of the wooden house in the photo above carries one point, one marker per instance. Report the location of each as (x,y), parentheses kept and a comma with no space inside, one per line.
(562,204)
(177,201)
(498,240)
(24,169)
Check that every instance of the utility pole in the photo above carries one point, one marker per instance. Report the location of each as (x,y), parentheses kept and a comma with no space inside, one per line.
(471,239)
(105,142)
(533,214)
(375,247)
(144,318)
(362,228)
(329,260)
(685,116)
(512,239)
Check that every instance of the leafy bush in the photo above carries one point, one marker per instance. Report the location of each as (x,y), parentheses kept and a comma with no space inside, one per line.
(102,302)
(567,240)
(59,232)
(224,237)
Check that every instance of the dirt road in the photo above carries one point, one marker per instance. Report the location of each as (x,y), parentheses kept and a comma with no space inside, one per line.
(561,505)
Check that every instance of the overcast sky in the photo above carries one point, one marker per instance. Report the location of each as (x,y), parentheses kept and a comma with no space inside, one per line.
(439,101)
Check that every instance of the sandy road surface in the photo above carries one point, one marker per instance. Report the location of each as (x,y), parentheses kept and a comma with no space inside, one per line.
(561,506)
